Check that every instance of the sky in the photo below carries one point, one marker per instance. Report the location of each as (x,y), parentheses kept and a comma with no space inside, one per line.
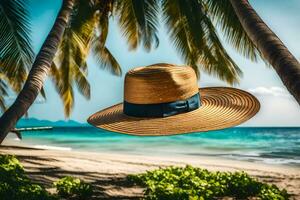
(278,108)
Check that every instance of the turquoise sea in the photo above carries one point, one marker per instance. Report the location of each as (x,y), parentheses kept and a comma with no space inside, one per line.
(268,145)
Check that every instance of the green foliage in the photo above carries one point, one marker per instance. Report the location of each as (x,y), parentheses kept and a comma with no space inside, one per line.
(69,187)
(196,39)
(3,91)
(139,21)
(86,32)
(15,184)
(16,53)
(224,15)
(189,183)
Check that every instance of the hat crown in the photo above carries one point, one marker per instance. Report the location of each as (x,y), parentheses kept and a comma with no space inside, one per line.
(159,83)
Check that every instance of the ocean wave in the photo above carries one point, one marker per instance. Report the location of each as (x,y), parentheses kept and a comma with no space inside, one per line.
(52,147)
(279,161)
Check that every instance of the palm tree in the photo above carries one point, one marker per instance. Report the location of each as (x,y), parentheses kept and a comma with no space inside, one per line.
(231,13)
(38,72)
(139,27)
(16,52)
(192,28)
(87,30)
(199,46)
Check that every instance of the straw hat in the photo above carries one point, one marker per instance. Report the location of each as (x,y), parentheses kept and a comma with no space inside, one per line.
(164,99)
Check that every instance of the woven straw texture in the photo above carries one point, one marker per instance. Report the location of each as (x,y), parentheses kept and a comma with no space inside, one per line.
(221,107)
(159,83)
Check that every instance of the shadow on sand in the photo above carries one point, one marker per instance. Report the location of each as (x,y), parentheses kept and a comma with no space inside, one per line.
(106,186)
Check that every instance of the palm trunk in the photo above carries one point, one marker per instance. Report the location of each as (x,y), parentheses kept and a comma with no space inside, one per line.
(38,72)
(271,47)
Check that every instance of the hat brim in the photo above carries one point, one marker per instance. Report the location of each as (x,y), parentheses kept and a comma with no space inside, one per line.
(221,107)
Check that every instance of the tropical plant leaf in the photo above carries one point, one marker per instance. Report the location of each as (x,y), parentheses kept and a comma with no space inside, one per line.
(16,54)
(195,38)
(63,70)
(87,30)
(3,91)
(43,93)
(83,13)
(224,15)
(69,66)
(139,21)
(104,58)
(82,83)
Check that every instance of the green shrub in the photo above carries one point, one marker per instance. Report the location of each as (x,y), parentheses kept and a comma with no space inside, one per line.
(69,187)
(189,183)
(14,184)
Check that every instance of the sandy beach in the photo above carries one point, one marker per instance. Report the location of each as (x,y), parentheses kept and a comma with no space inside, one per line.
(108,171)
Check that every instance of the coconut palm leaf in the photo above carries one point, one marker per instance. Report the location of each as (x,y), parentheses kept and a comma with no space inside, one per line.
(104,57)
(43,93)
(69,67)
(224,15)
(16,52)
(81,35)
(67,70)
(82,83)
(101,53)
(195,37)
(139,21)
(3,91)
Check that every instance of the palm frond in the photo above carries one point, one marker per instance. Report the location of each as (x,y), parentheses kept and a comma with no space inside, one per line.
(83,12)
(139,21)
(222,66)
(82,83)
(16,54)
(70,68)
(63,85)
(195,37)
(43,93)
(104,57)
(2,103)
(224,15)
(3,92)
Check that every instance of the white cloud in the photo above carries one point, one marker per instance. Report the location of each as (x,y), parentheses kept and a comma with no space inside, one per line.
(277,108)
(270,91)
(276,111)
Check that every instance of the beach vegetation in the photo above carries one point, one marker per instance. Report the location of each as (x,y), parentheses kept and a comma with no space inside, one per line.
(190,183)
(70,187)
(14,184)
(171,183)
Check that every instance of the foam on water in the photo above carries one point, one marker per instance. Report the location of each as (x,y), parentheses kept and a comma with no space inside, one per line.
(269,145)
(52,147)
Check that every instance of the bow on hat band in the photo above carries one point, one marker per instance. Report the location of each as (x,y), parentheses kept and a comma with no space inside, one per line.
(162,109)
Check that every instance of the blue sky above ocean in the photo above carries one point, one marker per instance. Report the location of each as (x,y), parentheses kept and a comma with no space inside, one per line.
(278,108)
